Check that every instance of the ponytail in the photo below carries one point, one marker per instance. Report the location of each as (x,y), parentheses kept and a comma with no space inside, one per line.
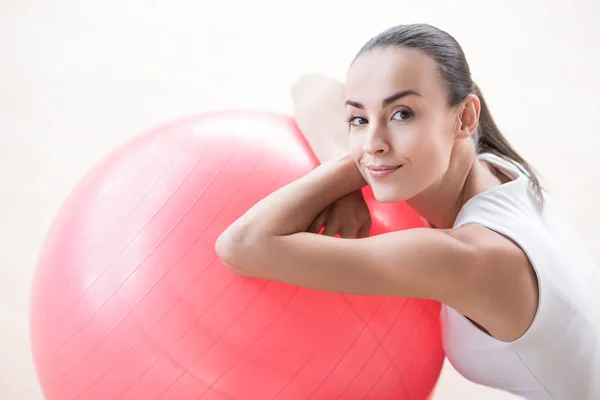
(489,139)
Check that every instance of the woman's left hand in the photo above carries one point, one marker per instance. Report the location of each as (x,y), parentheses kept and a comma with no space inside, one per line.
(348,216)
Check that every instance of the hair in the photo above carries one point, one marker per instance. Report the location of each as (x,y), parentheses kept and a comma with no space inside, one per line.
(456,75)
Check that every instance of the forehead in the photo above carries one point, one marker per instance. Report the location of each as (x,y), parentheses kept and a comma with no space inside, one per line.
(376,74)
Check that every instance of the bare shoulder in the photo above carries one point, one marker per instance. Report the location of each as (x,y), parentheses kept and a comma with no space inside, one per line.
(503,285)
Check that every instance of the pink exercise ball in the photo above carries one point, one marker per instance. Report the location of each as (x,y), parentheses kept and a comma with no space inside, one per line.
(129,300)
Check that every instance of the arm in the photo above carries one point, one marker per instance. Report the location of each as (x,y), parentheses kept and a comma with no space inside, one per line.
(269,242)
(292,208)
(474,270)
(420,263)
(320,114)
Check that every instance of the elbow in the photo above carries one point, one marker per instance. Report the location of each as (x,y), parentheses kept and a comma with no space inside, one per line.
(234,249)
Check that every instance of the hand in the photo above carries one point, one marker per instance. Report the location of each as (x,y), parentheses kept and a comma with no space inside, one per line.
(348,216)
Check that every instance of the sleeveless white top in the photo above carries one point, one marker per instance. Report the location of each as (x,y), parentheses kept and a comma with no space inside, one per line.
(559,356)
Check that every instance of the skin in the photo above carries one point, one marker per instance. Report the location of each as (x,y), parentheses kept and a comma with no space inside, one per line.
(396,105)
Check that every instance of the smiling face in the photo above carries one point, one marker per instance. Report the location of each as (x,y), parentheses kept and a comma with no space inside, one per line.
(402,130)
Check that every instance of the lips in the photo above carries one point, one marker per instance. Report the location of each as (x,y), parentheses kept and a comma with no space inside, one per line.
(382,167)
(381,171)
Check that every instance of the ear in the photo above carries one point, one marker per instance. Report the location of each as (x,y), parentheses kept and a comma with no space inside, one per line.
(468,116)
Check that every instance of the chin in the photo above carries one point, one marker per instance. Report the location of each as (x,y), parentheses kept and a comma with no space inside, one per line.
(388,194)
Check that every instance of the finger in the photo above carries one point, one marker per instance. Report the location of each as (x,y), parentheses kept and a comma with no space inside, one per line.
(315,227)
(364,230)
(331,229)
(349,231)
(318,222)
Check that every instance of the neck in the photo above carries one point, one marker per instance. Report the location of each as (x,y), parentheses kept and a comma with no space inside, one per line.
(465,178)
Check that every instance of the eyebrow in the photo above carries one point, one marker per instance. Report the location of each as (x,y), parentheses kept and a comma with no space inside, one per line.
(387,101)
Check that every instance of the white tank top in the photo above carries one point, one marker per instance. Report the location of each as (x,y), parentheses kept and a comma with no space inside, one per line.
(559,356)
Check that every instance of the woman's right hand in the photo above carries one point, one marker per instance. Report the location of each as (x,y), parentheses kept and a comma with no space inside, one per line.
(348,217)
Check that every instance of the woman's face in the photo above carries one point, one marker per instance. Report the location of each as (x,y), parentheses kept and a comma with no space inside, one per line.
(402,130)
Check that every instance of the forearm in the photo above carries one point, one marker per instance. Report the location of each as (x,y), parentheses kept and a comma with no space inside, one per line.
(292,208)
(320,114)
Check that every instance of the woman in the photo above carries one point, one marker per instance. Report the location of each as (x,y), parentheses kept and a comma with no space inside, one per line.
(521,296)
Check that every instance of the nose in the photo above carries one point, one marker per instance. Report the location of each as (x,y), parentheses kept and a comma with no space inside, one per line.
(376,142)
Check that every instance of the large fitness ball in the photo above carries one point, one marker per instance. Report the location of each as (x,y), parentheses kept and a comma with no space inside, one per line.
(131,302)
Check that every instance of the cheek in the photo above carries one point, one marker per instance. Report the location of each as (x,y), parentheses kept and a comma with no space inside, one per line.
(433,153)
(433,136)
(427,148)
(414,142)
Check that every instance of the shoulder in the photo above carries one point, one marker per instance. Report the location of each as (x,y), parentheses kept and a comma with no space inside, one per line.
(486,244)
(491,250)
(502,289)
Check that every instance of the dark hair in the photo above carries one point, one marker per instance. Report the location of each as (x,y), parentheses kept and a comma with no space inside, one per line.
(456,75)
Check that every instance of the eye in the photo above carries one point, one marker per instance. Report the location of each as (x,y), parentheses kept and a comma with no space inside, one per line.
(403,114)
(357,121)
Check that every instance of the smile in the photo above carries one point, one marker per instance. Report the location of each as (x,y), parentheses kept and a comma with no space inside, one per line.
(381,171)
